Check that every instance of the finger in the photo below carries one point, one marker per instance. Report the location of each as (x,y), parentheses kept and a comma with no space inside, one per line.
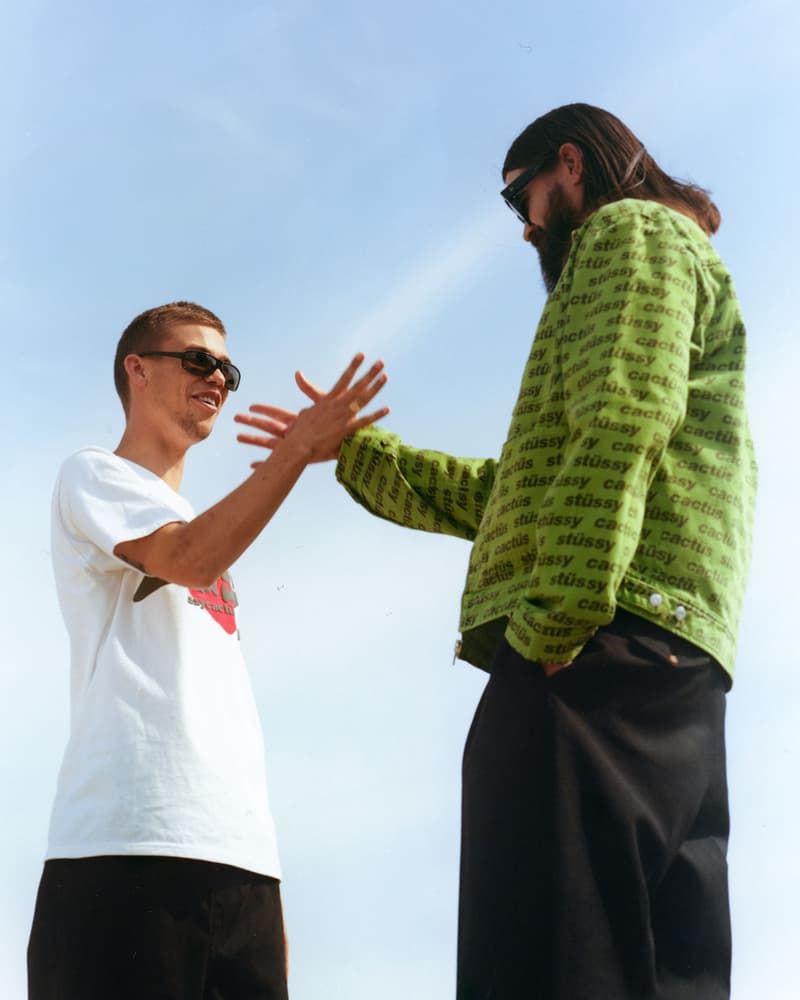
(366,380)
(347,375)
(553,668)
(258,441)
(262,424)
(370,418)
(313,392)
(367,387)
(273,411)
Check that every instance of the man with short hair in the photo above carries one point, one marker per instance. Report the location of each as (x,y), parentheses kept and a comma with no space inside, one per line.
(611,543)
(161,879)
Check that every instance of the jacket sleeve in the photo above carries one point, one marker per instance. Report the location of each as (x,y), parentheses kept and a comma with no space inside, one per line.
(415,488)
(630,302)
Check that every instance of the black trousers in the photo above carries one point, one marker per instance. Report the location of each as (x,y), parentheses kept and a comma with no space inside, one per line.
(595,826)
(153,928)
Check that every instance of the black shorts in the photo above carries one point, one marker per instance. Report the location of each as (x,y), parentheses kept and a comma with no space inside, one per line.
(155,928)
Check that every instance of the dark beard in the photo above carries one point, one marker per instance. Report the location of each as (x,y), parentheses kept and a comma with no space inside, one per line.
(554,241)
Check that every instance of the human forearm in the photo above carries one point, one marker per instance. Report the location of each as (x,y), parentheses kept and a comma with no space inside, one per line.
(196,553)
(416,488)
(579,566)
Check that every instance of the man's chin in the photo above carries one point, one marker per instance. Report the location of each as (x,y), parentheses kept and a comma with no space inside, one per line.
(554,241)
(549,280)
(199,430)
(551,263)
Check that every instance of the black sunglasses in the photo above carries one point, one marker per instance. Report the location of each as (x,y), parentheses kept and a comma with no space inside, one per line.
(201,363)
(512,194)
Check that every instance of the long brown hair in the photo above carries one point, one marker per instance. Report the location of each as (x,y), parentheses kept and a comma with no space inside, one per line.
(615,163)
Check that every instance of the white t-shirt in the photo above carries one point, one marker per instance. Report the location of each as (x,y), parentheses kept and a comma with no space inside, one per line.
(165,755)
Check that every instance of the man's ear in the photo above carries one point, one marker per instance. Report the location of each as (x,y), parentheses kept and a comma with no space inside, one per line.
(134,369)
(571,159)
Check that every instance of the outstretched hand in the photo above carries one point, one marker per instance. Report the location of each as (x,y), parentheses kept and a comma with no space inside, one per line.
(319,429)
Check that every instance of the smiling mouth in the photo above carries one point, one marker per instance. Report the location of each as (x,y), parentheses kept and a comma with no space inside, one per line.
(209,400)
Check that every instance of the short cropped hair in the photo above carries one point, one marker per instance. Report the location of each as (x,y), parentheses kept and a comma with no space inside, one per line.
(147,332)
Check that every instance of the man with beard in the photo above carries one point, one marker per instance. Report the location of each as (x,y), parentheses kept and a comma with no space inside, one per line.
(611,543)
(161,879)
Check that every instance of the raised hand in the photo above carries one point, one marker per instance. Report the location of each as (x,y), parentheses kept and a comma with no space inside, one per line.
(318,430)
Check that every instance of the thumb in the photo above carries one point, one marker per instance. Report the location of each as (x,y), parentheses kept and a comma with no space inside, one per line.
(308,388)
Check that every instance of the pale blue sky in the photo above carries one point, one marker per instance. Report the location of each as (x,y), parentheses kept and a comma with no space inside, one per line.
(325,178)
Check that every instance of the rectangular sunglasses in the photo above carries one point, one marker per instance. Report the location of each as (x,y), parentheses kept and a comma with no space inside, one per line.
(512,193)
(198,362)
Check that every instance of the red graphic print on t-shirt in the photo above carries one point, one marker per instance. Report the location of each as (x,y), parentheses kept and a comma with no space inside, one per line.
(219,601)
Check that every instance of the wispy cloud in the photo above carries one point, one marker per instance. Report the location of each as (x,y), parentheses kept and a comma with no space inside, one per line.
(428,283)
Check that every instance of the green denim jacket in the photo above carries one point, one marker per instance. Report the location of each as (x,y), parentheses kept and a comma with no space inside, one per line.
(627,477)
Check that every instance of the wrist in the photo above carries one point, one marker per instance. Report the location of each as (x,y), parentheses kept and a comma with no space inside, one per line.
(294,453)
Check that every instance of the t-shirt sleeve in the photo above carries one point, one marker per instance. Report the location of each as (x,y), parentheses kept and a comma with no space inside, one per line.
(101,502)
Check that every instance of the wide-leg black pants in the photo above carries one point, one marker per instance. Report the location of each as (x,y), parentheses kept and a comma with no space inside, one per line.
(595,825)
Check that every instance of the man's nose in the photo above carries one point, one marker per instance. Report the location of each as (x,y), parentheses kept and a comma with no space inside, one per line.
(532,234)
